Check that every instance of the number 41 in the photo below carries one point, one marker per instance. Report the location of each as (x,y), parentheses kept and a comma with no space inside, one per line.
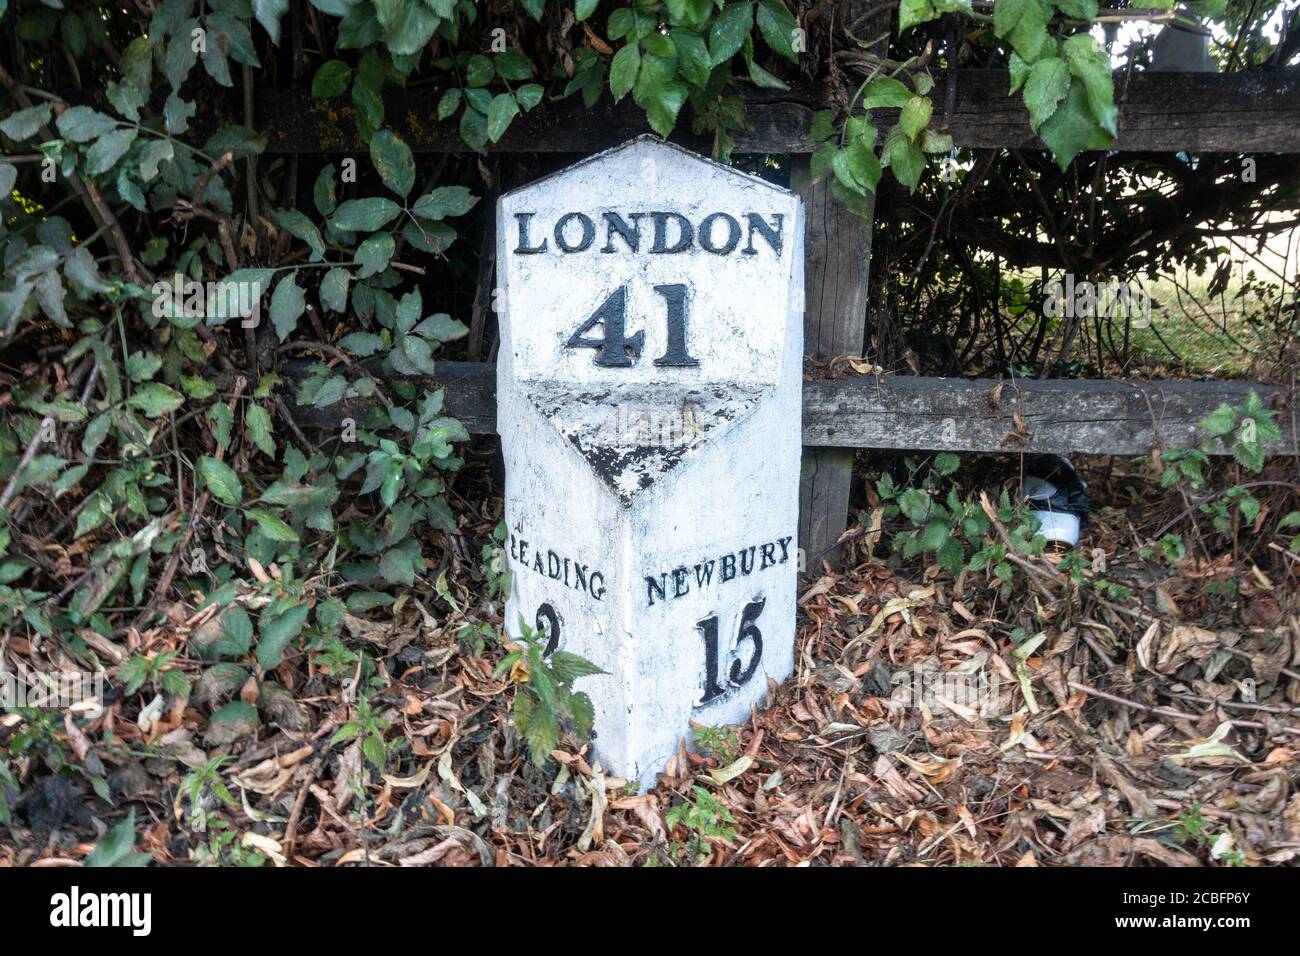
(616,349)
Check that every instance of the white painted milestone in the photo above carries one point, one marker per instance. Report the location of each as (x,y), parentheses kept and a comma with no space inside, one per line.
(649,403)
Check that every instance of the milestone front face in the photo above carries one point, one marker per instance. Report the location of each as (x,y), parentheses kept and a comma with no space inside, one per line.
(649,385)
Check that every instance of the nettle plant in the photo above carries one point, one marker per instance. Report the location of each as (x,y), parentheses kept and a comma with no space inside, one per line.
(937,519)
(1247,432)
(546,702)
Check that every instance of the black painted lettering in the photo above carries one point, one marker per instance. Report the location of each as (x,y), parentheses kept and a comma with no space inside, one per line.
(660,586)
(681,584)
(615,349)
(728,567)
(614,223)
(525,247)
(706,234)
(768,552)
(704,573)
(746,566)
(548,622)
(584,223)
(785,547)
(685,233)
(675,356)
(593,592)
(771,233)
(579,576)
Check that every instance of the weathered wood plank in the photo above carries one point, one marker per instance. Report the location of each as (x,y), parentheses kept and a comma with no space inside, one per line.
(1067,417)
(1159,112)
(914,413)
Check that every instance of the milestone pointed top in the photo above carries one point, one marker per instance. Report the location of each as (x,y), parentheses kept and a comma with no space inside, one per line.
(649,143)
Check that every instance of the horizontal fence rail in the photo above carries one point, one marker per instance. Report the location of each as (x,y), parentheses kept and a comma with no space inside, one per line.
(913,412)
(1200,112)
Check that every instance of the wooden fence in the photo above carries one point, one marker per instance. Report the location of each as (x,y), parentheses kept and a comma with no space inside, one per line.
(1158,112)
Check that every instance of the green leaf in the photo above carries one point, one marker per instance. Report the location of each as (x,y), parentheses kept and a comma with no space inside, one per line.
(444,201)
(24,123)
(693,60)
(258,420)
(374,254)
(885,91)
(365,215)
(156,399)
(584,8)
(504,108)
(907,162)
(1047,85)
(659,92)
(863,165)
(233,720)
(116,846)
(945,463)
(448,103)
(278,626)
(80,269)
(81,124)
(1023,24)
(934,535)
(334,290)
(729,31)
(322,192)
(362,344)
(569,667)
(393,160)
(479,70)
(331,79)
(397,567)
(623,70)
(236,634)
(180,56)
(299,226)
(529,95)
(287,305)
(513,65)
(1090,63)
(1221,421)
(222,419)
(1068,131)
(272,526)
(915,116)
(778,26)
(142,366)
(220,479)
(912,12)
(268,13)
(373,749)
(108,149)
(915,505)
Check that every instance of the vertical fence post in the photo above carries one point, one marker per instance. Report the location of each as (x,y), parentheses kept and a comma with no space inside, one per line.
(837,253)
(836,267)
